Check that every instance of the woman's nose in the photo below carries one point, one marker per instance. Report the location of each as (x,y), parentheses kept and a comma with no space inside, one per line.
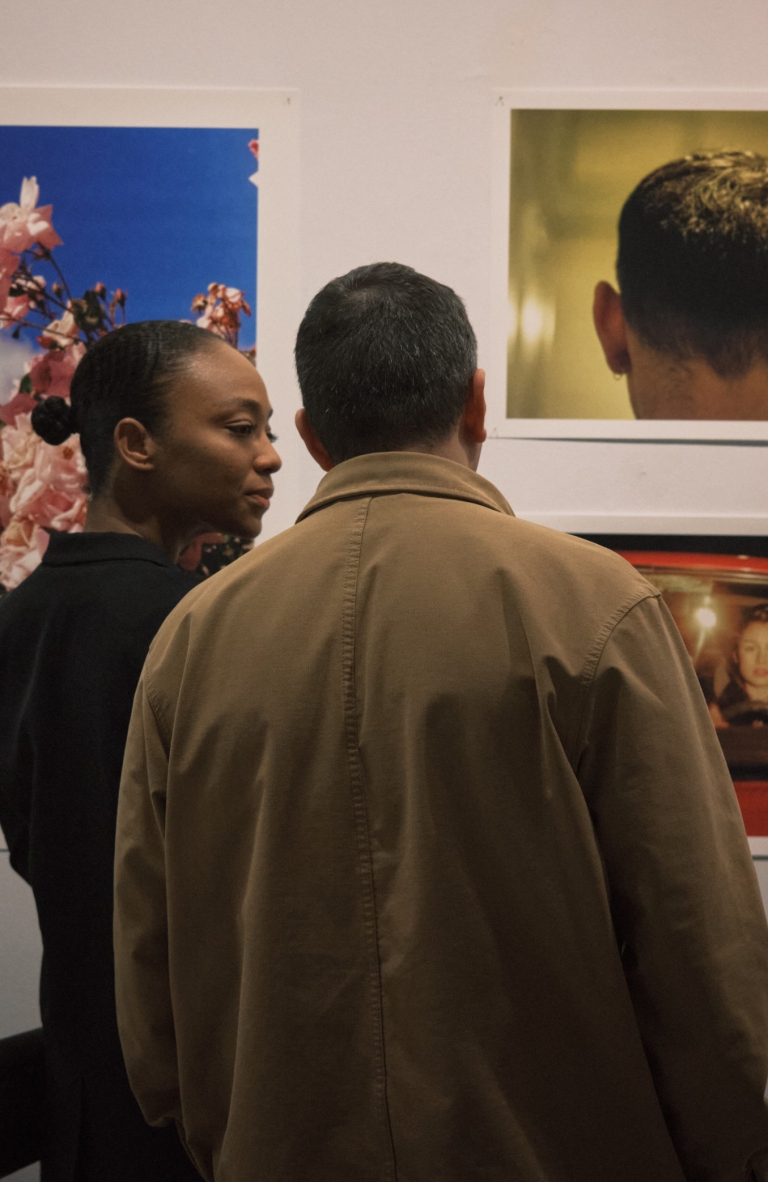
(268,460)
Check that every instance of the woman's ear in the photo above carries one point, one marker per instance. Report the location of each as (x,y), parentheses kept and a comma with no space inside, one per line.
(611,327)
(134,445)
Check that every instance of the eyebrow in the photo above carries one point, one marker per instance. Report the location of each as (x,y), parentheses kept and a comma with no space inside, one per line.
(247,404)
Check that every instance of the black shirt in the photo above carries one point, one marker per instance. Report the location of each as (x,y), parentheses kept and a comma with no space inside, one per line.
(73,638)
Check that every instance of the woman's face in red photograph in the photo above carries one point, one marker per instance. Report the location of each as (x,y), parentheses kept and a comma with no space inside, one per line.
(752,654)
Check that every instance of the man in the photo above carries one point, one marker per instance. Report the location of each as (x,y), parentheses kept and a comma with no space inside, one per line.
(428,866)
(690,327)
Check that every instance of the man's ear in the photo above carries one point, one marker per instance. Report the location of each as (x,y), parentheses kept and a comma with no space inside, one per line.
(473,419)
(134,445)
(611,327)
(311,442)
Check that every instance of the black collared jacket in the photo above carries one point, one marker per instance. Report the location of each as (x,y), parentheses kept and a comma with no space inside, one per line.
(73,638)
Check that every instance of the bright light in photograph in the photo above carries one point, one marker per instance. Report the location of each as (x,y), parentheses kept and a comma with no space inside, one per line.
(706,617)
(537,322)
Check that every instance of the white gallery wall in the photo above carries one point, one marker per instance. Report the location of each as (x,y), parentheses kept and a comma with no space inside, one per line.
(395,164)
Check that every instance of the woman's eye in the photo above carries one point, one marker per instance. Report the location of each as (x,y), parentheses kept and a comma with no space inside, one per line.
(271,437)
(241,428)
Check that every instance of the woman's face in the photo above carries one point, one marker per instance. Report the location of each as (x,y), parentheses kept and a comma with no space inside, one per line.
(215,457)
(752,655)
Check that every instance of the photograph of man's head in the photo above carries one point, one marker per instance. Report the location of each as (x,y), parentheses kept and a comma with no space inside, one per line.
(638,268)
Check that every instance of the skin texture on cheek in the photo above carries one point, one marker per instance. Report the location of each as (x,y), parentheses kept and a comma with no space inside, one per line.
(216,454)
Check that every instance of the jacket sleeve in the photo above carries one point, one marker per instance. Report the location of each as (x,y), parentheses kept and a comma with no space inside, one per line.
(142,984)
(684,896)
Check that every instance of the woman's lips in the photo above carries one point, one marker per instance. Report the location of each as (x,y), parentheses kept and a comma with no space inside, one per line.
(261,497)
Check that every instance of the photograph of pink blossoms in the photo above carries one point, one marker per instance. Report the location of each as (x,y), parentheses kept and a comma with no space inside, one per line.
(100,226)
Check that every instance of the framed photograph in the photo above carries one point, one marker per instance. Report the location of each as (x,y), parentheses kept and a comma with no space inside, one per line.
(717,592)
(119,205)
(565,163)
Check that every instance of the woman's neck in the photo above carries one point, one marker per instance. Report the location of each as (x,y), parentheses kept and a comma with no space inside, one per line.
(106,516)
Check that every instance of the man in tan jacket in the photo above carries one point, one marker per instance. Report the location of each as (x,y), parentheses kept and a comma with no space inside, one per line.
(429,868)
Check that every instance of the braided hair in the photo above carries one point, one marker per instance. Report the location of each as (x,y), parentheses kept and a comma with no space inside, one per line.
(126,374)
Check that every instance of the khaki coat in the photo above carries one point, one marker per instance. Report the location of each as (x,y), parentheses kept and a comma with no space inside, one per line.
(429,867)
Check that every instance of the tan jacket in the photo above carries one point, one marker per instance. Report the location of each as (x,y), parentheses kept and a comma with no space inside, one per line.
(429,867)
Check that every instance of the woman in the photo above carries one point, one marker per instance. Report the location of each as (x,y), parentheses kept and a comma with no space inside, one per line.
(174,428)
(744,701)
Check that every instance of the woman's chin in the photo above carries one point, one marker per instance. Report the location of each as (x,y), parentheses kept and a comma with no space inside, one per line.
(240,525)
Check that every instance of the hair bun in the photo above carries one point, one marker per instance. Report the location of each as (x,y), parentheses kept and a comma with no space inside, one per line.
(53,420)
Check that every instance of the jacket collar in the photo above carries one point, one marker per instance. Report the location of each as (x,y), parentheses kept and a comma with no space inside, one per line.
(385,472)
(66,549)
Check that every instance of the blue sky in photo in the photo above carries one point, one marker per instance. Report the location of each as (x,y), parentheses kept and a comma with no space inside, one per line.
(159,212)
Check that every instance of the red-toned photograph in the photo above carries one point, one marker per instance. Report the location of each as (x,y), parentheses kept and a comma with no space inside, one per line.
(720,604)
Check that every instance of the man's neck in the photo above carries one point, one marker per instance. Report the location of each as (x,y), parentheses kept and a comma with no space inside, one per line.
(451,448)
(662,387)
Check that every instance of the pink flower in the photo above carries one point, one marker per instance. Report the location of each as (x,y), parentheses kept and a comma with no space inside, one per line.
(22,546)
(6,492)
(60,333)
(8,264)
(254,146)
(211,322)
(191,556)
(40,487)
(24,224)
(221,310)
(51,372)
(20,404)
(50,487)
(18,444)
(16,308)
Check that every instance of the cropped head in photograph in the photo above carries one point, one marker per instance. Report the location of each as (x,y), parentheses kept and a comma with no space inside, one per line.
(689,324)
(387,361)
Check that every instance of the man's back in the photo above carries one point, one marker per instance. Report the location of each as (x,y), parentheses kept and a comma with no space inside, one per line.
(455,881)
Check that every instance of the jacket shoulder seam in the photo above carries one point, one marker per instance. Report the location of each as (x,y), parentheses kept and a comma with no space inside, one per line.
(157,707)
(595,654)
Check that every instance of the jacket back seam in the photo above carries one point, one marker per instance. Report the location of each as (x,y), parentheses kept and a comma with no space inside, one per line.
(360,816)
